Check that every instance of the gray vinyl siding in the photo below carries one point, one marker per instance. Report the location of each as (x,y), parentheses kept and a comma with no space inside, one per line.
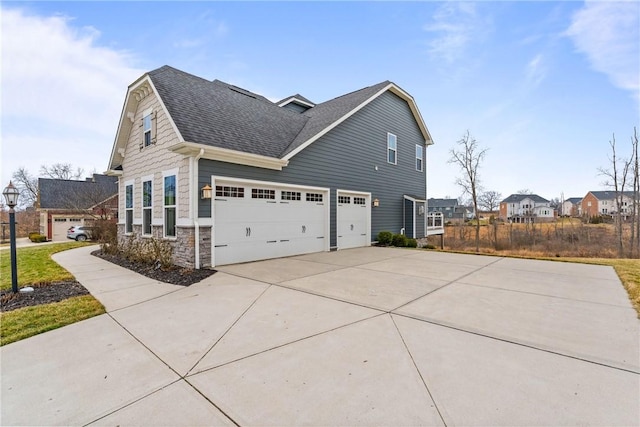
(420,232)
(346,158)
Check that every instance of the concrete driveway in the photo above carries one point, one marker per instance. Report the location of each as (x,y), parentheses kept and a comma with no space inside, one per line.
(370,336)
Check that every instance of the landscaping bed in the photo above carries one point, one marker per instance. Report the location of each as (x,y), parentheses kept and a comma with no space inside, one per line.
(44,293)
(173,275)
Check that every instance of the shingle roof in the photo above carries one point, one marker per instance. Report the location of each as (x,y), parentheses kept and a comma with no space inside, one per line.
(442,203)
(609,195)
(519,197)
(71,194)
(574,200)
(296,96)
(222,115)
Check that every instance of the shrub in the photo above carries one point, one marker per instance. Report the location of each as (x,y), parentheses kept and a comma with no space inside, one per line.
(399,240)
(429,246)
(385,237)
(412,243)
(145,251)
(37,237)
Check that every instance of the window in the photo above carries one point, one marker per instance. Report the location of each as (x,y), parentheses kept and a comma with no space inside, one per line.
(146,128)
(223,191)
(290,195)
(344,200)
(419,156)
(392,149)
(147,201)
(170,206)
(128,206)
(359,201)
(263,193)
(314,197)
(60,220)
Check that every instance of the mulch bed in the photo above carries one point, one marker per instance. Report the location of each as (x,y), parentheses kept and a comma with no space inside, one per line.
(175,275)
(47,293)
(43,293)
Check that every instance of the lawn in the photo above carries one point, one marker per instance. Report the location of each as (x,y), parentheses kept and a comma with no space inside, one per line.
(35,266)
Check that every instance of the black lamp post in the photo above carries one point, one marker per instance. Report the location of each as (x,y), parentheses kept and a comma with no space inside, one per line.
(11,194)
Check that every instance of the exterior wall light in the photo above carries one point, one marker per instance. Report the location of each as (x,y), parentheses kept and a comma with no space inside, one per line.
(376,203)
(205,192)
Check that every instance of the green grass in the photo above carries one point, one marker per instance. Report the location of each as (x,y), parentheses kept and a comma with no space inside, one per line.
(29,321)
(36,266)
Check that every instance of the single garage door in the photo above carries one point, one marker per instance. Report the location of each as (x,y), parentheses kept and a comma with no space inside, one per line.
(61,225)
(354,219)
(256,220)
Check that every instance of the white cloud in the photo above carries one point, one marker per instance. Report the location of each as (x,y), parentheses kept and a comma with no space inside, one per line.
(608,33)
(536,70)
(59,85)
(456,26)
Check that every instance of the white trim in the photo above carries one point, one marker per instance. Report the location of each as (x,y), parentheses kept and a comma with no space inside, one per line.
(229,156)
(131,183)
(297,100)
(365,194)
(395,150)
(390,87)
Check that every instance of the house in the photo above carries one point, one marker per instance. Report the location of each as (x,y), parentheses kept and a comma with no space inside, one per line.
(597,203)
(526,208)
(227,176)
(572,207)
(63,203)
(451,210)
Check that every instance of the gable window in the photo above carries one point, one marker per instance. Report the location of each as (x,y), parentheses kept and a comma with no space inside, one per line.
(169,200)
(147,201)
(392,149)
(419,157)
(148,128)
(128,207)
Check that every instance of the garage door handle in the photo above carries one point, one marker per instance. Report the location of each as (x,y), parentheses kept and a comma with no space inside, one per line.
(221,246)
(284,240)
(272,241)
(304,229)
(248,232)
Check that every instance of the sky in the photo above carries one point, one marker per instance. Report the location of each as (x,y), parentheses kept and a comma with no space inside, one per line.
(543,85)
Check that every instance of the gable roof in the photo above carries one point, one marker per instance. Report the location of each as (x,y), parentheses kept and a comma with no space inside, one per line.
(515,198)
(609,195)
(297,98)
(574,200)
(442,203)
(226,117)
(73,194)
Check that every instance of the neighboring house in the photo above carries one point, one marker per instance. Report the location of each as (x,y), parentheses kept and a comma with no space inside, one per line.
(572,207)
(526,208)
(228,176)
(597,203)
(63,203)
(451,210)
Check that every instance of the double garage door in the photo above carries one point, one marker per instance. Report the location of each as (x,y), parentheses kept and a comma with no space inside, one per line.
(256,220)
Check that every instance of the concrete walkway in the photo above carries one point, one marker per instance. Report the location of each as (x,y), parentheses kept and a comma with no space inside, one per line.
(369,336)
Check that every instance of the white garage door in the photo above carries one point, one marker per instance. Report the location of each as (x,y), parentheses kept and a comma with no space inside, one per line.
(257,220)
(354,219)
(61,225)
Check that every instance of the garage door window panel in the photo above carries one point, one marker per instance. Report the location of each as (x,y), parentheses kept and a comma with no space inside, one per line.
(263,193)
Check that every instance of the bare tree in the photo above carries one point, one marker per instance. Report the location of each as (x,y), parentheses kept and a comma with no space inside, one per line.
(635,215)
(468,157)
(616,178)
(61,171)
(490,200)
(524,191)
(27,184)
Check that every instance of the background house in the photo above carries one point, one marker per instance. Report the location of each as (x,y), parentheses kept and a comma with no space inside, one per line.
(227,176)
(525,208)
(572,207)
(451,210)
(597,203)
(63,203)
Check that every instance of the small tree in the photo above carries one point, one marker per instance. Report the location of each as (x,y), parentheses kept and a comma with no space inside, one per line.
(27,184)
(467,156)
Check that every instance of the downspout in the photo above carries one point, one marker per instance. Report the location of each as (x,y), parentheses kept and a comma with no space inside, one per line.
(194,205)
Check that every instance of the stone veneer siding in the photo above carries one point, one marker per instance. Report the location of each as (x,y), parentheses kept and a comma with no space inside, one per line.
(183,250)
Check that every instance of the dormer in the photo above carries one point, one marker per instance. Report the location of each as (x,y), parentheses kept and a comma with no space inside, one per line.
(297,103)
